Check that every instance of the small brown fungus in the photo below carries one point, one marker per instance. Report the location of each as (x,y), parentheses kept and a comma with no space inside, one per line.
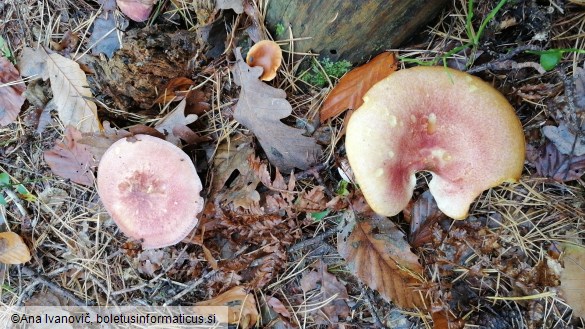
(151,189)
(266,54)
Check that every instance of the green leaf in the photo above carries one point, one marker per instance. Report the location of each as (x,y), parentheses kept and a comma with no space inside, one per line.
(21,189)
(342,188)
(7,287)
(4,179)
(2,201)
(4,50)
(24,194)
(550,59)
(318,216)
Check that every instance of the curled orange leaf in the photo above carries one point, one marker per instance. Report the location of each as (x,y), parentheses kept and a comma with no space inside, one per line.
(348,93)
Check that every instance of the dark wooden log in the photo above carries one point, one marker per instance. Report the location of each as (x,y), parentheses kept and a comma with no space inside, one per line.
(351,30)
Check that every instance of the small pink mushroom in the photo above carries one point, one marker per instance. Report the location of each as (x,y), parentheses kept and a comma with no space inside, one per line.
(151,189)
(435,119)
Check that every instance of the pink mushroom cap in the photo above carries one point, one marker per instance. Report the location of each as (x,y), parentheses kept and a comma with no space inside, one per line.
(434,119)
(151,189)
(136,10)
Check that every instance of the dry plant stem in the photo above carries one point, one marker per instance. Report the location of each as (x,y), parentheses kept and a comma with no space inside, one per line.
(54,287)
(507,65)
(368,299)
(17,202)
(190,288)
(505,62)
(105,290)
(27,291)
(312,241)
(142,285)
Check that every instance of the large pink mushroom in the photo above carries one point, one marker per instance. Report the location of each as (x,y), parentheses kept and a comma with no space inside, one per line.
(151,189)
(434,119)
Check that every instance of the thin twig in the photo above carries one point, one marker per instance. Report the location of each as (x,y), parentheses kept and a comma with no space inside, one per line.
(309,242)
(160,275)
(368,299)
(54,287)
(505,62)
(17,202)
(501,65)
(190,288)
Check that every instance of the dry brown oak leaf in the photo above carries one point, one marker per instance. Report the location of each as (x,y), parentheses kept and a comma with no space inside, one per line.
(377,253)
(260,109)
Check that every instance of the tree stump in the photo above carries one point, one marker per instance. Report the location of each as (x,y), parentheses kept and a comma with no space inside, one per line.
(350,30)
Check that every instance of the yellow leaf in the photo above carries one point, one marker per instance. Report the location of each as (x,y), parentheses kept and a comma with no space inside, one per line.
(71,93)
(573,279)
(12,249)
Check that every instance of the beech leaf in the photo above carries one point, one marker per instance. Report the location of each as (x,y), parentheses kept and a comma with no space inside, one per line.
(260,109)
(278,307)
(230,157)
(71,94)
(11,98)
(377,253)
(573,279)
(12,249)
(348,92)
(72,160)
(175,90)
(423,215)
